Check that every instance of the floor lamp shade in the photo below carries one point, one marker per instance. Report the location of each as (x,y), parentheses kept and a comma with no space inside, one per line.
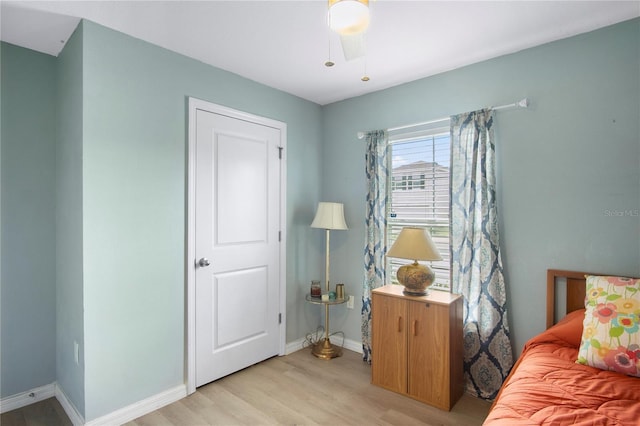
(330,216)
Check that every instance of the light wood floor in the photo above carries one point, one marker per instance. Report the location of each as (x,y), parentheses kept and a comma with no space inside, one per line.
(304,390)
(48,412)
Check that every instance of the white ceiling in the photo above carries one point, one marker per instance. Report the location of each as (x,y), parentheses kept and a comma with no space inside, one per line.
(284,44)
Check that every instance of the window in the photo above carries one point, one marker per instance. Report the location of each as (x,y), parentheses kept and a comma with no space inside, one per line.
(419,191)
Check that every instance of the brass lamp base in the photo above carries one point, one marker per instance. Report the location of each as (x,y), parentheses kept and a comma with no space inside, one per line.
(325,350)
(415,278)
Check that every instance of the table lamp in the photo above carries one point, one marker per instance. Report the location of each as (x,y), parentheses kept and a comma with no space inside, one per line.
(416,244)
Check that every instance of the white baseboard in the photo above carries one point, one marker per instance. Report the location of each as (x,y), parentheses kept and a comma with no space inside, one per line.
(68,407)
(26,398)
(117,417)
(141,408)
(352,345)
(294,346)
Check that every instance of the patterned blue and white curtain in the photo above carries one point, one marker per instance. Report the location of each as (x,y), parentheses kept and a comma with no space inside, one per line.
(477,271)
(375,225)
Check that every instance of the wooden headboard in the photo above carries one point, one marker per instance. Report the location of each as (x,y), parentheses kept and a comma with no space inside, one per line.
(575,291)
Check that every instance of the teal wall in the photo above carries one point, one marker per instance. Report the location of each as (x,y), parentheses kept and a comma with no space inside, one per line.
(134,179)
(69,223)
(113,213)
(565,164)
(27,345)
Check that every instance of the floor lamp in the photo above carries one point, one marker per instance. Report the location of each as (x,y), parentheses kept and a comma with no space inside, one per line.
(329,216)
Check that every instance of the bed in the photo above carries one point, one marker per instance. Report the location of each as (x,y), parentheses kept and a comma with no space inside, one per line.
(547,386)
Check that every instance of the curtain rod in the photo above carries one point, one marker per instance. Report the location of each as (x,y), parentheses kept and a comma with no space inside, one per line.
(522,103)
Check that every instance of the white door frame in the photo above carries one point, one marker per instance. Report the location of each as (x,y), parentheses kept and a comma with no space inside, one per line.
(194,105)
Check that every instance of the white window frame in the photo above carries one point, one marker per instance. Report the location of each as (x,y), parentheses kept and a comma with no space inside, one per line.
(441,268)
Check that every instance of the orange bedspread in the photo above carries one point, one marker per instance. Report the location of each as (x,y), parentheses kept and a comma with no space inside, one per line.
(547,387)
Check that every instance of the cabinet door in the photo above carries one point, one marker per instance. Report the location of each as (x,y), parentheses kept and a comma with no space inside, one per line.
(429,369)
(389,343)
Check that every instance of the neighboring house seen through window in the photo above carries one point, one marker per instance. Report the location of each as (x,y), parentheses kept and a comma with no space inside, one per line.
(419,192)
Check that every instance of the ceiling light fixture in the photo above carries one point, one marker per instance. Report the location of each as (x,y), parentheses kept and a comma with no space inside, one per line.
(348,17)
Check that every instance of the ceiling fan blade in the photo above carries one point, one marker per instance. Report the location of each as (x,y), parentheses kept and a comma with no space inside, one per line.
(353,46)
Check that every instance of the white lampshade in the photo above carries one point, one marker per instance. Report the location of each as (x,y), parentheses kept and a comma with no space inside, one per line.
(330,216)
(414,244)
(348,17)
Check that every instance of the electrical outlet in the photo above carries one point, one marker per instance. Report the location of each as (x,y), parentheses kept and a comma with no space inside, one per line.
(350,303)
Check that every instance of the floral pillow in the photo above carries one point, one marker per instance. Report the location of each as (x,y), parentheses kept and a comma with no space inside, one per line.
(611,328)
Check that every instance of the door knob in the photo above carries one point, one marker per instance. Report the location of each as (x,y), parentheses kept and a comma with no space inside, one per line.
(204,262)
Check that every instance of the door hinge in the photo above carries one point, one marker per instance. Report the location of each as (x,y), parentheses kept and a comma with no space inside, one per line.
(279,236)
(280,149)
(279,318)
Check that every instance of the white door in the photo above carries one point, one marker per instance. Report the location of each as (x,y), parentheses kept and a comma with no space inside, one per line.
(237,248)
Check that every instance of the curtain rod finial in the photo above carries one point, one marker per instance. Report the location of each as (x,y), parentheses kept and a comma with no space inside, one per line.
(523,103)
(360,135)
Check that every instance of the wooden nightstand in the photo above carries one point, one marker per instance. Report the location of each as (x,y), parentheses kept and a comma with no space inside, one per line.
(417,345)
